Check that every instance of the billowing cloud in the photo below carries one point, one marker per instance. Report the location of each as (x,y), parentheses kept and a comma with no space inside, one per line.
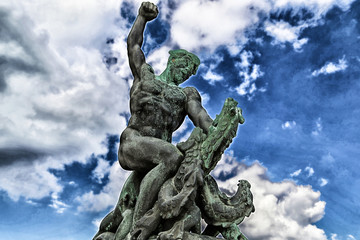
(209,24)
(102,168)
(196,24)
(30,180)
(59,100)
(283,32)
(331,67)
(212,77)
(284,210)
(249,73)
(108,196)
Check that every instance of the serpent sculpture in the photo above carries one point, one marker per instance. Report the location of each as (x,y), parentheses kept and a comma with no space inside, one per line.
(191,194)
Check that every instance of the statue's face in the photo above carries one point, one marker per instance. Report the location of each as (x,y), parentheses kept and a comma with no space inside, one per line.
(181,68)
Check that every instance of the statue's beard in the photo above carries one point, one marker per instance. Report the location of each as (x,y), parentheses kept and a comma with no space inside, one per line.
(179,75)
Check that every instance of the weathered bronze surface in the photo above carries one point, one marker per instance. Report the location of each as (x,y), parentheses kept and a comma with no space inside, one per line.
(170,189)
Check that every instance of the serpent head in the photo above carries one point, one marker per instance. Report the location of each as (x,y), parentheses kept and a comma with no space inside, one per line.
(221,133)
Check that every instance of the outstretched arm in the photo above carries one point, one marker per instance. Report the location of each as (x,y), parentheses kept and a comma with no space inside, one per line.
(147,12)
(196,111)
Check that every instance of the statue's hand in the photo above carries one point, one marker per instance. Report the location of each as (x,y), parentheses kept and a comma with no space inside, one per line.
(148,10)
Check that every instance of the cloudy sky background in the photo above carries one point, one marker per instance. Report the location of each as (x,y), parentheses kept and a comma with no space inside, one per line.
(293,66)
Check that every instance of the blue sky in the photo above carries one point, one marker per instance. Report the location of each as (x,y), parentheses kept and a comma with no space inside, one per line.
(293,66)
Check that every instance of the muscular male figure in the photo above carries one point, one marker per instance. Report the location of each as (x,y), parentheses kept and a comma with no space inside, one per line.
(158,107)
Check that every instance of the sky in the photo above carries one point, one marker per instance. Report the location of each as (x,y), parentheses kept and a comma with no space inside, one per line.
(293,66)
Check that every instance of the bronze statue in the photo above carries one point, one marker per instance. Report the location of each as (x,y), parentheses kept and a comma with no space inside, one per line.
(162,195)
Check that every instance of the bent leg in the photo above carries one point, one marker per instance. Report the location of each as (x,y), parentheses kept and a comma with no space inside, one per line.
(157,157)
(143,153)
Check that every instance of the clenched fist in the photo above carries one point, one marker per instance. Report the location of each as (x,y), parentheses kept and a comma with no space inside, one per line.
(148,10)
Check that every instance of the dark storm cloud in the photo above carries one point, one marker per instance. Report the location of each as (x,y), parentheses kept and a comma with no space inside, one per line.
(11,32)
(9,156)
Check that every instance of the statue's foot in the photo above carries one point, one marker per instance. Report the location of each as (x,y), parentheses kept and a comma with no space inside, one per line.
(175,233)
(142,231)
(171,208)
(105,236)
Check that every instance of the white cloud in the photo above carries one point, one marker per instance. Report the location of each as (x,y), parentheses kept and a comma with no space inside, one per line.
(72,183)
(108,196)
(212,77)
(288,125)
(350,237)
(182,128)
(33,181)
(205,98)
(31,202)
(299,43)
(310,171)
(249,73)
(59,100)
(331,67)
(209,24)
(96,222)
(102,168)
(334,236)
(323,182)
(284,210)
(158,59)
(59,206)
(318,127)
(283,32)
(210,74)
(296,173)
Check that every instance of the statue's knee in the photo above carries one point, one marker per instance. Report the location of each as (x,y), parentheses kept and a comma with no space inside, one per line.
(122,158)
(173,161)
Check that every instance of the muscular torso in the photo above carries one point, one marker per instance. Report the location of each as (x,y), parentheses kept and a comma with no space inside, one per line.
(157,108)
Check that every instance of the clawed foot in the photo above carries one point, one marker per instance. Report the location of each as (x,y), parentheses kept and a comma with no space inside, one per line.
(170,208)
(140,234)
(175,233)
(146,225)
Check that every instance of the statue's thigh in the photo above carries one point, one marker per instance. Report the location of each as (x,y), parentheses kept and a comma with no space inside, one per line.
(143,153)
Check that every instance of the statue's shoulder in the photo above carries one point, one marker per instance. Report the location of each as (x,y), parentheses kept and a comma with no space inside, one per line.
(146,71)
(192,93)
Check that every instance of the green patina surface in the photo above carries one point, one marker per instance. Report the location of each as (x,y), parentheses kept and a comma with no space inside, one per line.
(170,190)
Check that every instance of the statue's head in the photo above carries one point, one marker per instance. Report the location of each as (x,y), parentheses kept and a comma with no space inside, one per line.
(181,65)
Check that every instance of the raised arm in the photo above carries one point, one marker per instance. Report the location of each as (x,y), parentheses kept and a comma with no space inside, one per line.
(147,12)
(196,111)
